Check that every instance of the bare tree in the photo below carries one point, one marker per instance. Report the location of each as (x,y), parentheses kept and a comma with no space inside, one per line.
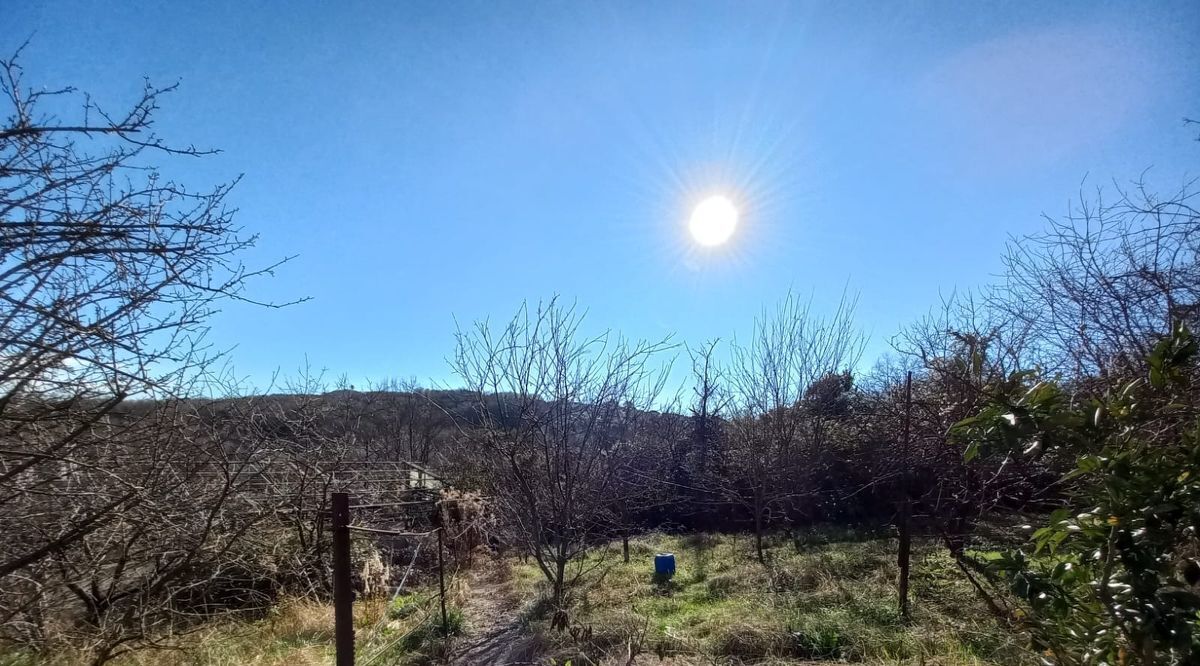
(771,455)
(1100,285)
(963,354)
(416,420)
(552,411)
(109,272)
(710,402)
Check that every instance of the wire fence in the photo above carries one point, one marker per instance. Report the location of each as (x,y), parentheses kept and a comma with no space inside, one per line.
(395,519)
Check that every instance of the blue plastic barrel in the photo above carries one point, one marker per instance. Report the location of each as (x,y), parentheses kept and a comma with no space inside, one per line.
(664,565)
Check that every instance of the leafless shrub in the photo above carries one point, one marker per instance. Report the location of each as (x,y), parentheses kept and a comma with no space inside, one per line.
(115,500)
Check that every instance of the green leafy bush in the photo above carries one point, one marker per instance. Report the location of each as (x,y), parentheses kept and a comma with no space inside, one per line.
(1112,577)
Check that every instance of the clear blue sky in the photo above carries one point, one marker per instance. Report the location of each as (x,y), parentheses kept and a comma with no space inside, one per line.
(428,160)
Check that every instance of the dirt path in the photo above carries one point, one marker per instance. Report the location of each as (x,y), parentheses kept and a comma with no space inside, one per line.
(494,634)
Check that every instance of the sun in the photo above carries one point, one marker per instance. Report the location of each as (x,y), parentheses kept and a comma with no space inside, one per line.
(713,221)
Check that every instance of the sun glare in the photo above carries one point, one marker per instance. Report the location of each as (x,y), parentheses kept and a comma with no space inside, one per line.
(713,221)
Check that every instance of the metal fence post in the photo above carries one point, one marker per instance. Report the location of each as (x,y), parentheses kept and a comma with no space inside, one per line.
(905,551)
(442,584)
(343,592)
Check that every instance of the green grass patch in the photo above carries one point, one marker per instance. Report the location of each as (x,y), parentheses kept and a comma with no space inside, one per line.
(817,599)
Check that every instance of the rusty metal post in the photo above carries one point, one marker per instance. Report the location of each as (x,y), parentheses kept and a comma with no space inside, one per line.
(442,584)
(343,591)
(905,550)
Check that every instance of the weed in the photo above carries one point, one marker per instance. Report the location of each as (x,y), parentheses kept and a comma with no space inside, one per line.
(405,605)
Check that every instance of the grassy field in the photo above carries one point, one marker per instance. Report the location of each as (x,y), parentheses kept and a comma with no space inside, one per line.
(827,600)
(830,599)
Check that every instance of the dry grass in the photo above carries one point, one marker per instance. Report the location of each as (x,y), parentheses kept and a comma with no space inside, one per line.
(295,633)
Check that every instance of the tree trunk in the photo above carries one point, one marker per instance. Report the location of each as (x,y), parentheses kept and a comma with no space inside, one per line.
(625,548)
(102,655)
(560,620)
(758,537)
